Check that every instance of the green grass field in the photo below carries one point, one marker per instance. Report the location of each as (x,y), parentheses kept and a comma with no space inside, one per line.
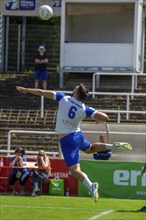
(68,208)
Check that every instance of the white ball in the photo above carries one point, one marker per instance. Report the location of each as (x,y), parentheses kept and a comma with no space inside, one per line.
(45,12)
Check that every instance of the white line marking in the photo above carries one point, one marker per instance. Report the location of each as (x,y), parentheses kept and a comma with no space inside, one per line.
(43,207)
(100,215)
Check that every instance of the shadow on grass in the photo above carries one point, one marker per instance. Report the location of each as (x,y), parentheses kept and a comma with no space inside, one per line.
(135,211)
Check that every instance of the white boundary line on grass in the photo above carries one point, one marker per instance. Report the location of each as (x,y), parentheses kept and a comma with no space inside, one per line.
(42,207)
(101,214)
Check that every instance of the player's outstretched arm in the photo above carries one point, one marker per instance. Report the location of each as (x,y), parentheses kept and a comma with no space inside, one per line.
(39,92)
(100,117)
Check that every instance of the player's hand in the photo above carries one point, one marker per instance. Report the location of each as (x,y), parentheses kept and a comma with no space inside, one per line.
(21,89)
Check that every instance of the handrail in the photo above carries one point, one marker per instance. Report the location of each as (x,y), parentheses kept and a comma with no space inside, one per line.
(132,74)
(122,111)
(107,131)
(127,111)
(31,152)
(24,132)
(38,132)
(128,95)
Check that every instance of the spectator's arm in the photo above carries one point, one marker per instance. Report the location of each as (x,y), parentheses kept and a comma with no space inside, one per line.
(37,61)
(45,60)
(21,162)
(12,162)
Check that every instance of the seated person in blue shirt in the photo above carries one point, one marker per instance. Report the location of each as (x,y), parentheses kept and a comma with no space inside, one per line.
(103,155)
(20,173)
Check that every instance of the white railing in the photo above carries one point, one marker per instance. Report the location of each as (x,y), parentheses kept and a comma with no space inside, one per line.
(118,112)
(132,74)
(28,132)
(49,153)
(1,41)
(105,130)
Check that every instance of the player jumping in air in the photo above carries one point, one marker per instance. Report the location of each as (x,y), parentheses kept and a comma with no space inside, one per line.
(71,112)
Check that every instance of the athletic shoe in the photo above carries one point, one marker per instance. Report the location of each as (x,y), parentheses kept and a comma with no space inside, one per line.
(122,146)
(33,193)
(143,209)
(94,192)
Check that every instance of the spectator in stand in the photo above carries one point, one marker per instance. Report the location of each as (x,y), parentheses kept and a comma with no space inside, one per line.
(19,173)
(143,209)
(40,174)
(41,61)
(103,155)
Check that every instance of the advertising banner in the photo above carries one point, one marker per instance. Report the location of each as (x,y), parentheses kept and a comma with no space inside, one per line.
(116,179)
(56,187)
(28,7)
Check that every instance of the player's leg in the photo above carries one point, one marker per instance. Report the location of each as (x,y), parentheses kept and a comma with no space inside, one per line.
(83,178)
(97,147)
(70,148)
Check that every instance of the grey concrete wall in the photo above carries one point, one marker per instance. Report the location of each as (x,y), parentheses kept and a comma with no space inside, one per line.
(101,28)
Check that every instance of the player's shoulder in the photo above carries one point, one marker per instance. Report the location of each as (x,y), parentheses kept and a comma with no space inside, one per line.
(89,108)
(59,95)
(90,111)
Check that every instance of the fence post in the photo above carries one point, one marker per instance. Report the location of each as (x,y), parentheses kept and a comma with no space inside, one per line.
(1,41)
(9,143)
(42,106)
(119,117)
(127,108)
(93,85)
(18,48)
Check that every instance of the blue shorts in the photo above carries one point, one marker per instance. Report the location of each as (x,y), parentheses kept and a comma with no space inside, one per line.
(70,146)
(41,74)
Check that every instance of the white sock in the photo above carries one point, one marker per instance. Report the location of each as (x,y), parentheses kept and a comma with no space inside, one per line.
(87,183)
(108,146)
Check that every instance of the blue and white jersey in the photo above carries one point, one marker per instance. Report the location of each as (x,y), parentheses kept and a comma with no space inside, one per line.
(70,113)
